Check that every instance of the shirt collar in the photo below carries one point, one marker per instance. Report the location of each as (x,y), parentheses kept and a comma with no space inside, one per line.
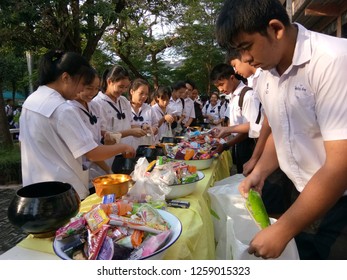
(237,91)
(44,101)
(303,49)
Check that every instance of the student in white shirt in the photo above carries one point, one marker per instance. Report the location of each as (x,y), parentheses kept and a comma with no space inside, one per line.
(188,111)
(142,114)
(115,108)
(89,112)
(240,110)
(165,118)
(303,92)
(54,139)
(176,104)
(212,111)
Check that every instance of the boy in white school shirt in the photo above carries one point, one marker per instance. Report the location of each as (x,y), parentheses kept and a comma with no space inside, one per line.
(303,92)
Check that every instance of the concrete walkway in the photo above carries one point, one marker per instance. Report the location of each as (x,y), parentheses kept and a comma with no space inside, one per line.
(9,234)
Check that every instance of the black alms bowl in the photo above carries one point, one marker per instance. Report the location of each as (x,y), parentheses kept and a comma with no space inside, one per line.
(44,207)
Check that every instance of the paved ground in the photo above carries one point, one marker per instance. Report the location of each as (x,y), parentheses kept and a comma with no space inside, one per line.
(9,235)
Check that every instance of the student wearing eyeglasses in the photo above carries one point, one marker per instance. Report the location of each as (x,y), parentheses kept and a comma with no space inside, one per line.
(143,115)
(54,138)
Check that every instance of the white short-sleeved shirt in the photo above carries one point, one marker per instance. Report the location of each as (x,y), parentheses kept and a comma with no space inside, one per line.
(223,109)
(93,110)
(214,111)
(249,109)
(257,117)
(164,128)
(112,120)
(307,104)
(175,107)
(188,110)
(145,115)
(53,140)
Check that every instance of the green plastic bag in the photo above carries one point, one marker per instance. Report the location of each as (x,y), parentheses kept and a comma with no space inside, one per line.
(256,208)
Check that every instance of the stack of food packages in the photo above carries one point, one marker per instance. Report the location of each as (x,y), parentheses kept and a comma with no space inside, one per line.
(115,229)
(164,170)
(200,147)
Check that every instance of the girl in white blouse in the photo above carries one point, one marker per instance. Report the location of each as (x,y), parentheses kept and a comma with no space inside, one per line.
(165,118)
(212,111)
(142,114)
(54,139)
(89,112)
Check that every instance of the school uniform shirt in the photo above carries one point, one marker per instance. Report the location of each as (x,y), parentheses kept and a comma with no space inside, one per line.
(116,116)
(145,116)
(53,141)
(188,110)
(307,104)
(257,117)
(164,128)
(212,110)
(175,106)
(92,120)
(223,109)
(234,113)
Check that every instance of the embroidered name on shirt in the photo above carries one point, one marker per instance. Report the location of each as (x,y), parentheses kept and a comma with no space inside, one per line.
(267,88)
(300,88)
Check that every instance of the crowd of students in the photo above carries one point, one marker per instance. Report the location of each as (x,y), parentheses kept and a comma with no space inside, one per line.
(281,121)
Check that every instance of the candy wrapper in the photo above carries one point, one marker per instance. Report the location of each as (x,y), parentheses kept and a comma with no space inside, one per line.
(150,245)
(97,241)
(76,226)
(116,220)
(152,218)
(96,218)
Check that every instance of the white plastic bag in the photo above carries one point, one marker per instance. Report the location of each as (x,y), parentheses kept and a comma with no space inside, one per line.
(144,188)
(233,226)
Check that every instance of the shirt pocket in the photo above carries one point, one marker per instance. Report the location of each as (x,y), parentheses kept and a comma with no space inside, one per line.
(302,116)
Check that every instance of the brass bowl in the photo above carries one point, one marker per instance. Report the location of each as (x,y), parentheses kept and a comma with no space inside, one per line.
(179,139)
(196,128)
(117,184)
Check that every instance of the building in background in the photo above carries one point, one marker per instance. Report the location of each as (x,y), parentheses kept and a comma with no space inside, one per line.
(325,16)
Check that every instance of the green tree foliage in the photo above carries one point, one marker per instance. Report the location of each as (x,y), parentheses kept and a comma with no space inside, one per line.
(136,40)
(197,43)
(68,25)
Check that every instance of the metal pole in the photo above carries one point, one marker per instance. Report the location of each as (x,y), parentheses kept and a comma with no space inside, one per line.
(30,70)
(289,9)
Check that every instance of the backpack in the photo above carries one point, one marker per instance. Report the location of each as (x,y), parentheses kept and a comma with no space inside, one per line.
(182,100)
(242,95)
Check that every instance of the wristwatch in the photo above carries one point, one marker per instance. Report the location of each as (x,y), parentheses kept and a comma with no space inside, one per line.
(225,147)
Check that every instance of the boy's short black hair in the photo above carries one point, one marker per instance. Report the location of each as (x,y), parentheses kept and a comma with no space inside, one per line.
(178,85)
(221,71)
(231,55)
(190,82)
(249,16)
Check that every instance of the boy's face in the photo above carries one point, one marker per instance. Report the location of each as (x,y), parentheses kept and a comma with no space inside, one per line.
(226,85)
(241,68)
(262,51)
(184,94)
(194,94)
